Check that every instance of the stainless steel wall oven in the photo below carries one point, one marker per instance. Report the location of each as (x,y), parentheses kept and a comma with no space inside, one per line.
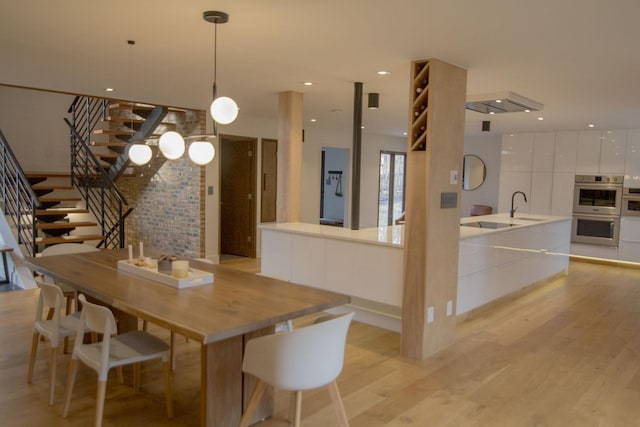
(597,204)
(631,202)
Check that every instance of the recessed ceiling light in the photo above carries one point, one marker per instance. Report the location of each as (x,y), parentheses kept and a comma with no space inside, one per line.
(540,118)
(313,120)
(591,125)
(491,112)
(498,101)
(405,133)
(361,127)
(527,111)
(109,89)
(384,73)
(308,83)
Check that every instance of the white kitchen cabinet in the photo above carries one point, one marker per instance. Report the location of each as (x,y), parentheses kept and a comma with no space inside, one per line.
(629,245)
(612,152)
(540,197)
(588,155)
(543,151)
(517,152)
(566,151)
(632,159)
(562,193)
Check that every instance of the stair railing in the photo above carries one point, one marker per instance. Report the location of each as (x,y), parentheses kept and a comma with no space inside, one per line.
(20,201)
(102,196)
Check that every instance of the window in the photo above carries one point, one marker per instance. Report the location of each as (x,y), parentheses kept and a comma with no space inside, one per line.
(391,187)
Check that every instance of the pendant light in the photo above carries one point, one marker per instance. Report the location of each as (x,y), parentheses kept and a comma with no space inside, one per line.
(171,145)
(201,152)
(139,154)
(224,110)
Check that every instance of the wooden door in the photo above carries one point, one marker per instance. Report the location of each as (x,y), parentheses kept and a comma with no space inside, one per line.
(237,194)
(269,180)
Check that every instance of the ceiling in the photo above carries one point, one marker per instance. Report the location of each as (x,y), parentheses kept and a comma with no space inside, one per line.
(577,57)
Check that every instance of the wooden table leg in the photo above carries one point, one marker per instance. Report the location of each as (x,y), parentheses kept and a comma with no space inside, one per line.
(221,383)
(266,407)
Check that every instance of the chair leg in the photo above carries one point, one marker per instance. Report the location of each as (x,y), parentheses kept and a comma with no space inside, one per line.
(52,373)
(168,390)
(337,404)
(292,406)
(102,390)
(32,358)
(298,408)
(172,351)
(136,378)
(121,374)
(254,401)
(73,368)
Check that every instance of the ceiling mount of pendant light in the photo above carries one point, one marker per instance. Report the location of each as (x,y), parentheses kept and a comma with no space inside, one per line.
(223,109)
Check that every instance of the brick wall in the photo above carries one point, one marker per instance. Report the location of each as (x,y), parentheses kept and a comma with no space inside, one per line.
(169,206)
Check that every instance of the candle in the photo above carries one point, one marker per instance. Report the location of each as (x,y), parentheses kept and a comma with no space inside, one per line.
(130,253)
(141,252)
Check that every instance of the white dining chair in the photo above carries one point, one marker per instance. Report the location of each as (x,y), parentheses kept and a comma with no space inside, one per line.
(63,249)
(55,329)
(114,351)
(304,359)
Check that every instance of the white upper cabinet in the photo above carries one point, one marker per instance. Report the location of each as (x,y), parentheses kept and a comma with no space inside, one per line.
(566,151)
(543,151)
(612,151)
(588,156)
(517,152)
(632,159)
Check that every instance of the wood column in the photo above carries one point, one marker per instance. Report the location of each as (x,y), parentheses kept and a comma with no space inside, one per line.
(432,228)
(289,190)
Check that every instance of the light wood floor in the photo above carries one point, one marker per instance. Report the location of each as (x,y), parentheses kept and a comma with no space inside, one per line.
(565,354)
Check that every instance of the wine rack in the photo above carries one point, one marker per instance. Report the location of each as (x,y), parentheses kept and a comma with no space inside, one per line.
(419,105)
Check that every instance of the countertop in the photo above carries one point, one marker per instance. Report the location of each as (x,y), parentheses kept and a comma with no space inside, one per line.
(392,235)
(519,221)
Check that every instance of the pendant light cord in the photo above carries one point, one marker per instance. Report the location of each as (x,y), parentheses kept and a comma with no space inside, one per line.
(215,58)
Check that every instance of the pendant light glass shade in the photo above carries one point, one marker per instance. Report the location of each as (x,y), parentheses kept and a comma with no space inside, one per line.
(171,145)
(139,154)
(224,110)
(201,152)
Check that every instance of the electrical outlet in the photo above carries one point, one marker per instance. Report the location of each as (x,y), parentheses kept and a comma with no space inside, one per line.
(430,314)
(453,177)
(449,308)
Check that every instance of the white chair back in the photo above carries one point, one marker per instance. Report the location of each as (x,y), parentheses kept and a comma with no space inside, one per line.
(303,359)
(67,248)
(50,297)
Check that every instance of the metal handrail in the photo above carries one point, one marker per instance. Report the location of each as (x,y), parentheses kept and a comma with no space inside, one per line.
(102,197)
(20,200)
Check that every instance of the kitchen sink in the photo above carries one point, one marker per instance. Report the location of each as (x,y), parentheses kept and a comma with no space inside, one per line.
(487,224)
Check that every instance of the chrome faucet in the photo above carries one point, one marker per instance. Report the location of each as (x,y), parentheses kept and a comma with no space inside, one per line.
(513,196)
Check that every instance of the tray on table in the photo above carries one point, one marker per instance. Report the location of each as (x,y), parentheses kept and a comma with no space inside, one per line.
(195,278)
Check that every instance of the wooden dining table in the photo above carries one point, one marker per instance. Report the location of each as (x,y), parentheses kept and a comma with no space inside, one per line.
(222,316)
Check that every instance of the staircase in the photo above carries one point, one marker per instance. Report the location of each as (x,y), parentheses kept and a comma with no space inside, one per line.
(60,219)
(86,204)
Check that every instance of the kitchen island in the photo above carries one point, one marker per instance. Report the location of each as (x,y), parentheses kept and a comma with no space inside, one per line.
(498,255)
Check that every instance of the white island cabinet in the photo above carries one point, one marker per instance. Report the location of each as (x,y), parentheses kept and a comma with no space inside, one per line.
(367,264)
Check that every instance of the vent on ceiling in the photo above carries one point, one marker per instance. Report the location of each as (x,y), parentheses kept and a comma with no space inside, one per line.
(502,102)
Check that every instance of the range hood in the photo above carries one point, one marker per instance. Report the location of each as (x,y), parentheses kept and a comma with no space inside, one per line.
(501,102)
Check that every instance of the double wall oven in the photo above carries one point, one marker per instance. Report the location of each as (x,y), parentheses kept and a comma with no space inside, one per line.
(597,205)
(631,202)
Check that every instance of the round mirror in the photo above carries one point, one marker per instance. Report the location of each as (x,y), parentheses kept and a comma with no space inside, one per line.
(473,172)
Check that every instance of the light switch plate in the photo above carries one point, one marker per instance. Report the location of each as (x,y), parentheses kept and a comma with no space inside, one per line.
(430,314)
(453,177)
(449,308)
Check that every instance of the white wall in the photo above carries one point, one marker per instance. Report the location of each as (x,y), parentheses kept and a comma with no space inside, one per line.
(335,196)
(315,140)
(486,148)
(32,122)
